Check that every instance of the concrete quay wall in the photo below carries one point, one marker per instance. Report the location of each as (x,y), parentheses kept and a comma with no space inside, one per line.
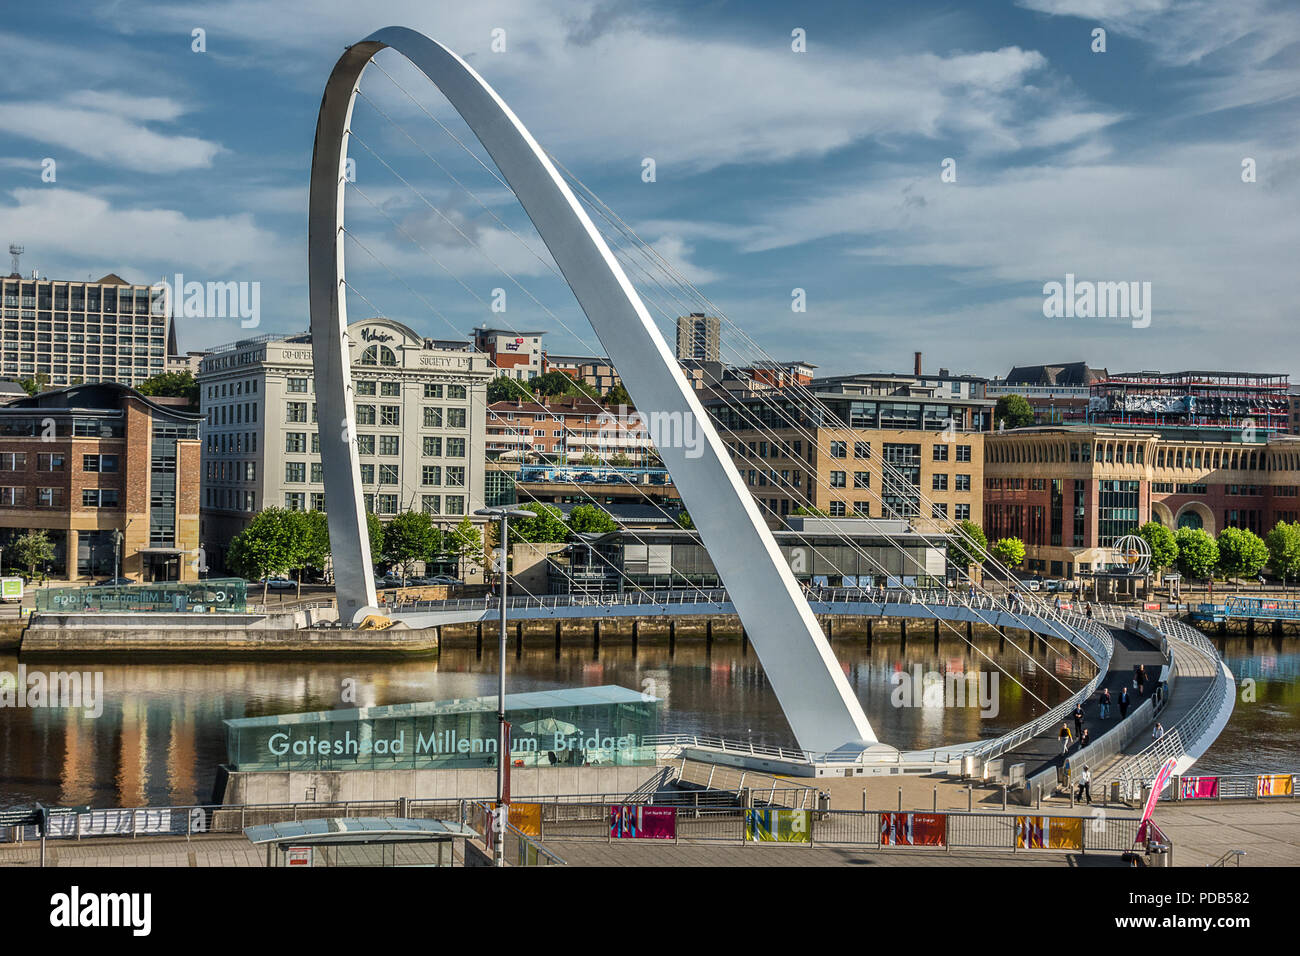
(235,641)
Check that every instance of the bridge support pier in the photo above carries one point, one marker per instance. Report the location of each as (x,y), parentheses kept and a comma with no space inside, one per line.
(1250,627)
(672,637)
(478,642)
(970,634)
(830,629)
(1277,628)
(708,634)
(519,640)
(936,633)
(744,641)
(557,639)
(595,637)
(636,635)
(1223,628)
(902,629)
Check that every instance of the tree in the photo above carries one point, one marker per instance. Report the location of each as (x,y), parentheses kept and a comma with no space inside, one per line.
(555,382)
(685,521)
(1015,410)
(375,531)
(618,396)
(807,511)
(410,537)
(503,388)
(548,525)
(176,384)
(1242,553)
(1164,548)
(1283,544)
(588,519)
(266,547)
(1009,551)
(31,549)
(465,541)
(1197,553)
(967,546)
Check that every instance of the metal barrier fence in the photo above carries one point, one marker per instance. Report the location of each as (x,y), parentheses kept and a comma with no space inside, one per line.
(1233,786)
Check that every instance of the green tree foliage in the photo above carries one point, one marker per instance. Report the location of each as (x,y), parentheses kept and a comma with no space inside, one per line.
(32,549)
(684,520)
(465,541)
(375,531)
(588,519)
(618,396)
(410,537)
(1283,544)
(1009,551)
(1164,547)
(174,384)
(267,547)
(1242,553)
(966,545)
(547,526)
(503,388)
(806,511)
(1198,555)
(1014,410)
(555,382)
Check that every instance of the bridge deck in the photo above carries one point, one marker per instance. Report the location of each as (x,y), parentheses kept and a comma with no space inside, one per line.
(1044,751)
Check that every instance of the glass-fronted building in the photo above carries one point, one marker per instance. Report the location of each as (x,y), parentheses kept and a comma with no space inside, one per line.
(571,727)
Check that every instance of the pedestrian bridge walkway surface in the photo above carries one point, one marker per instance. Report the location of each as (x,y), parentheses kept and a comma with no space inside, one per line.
(1043,751)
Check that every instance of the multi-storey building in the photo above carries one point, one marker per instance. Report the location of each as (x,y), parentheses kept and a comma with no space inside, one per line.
(904,454)
(111,475)
(65,333)
(420,416)
(567,427)
(514,354)
(1056,393)
(1070,492)
(699,337)
(1252,402)
(594,370)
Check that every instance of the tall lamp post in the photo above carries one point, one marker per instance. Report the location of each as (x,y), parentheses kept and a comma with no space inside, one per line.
(502,515)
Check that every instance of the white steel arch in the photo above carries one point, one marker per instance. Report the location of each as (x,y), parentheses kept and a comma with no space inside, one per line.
(811,687)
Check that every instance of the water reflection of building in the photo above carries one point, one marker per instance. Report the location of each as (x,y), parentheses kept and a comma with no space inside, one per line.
(880,552)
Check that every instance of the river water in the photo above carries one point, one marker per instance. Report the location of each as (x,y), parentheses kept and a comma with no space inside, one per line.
(160,737)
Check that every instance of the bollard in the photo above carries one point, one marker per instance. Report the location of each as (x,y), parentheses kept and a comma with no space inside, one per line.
(864,799)
(970,799)
(936,798)
(1004,798)
(1038,797)
(900,798)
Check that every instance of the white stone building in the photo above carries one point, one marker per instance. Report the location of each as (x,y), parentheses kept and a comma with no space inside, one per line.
(420,411)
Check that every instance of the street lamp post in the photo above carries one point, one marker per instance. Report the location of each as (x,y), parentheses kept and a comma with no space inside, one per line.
(502,515)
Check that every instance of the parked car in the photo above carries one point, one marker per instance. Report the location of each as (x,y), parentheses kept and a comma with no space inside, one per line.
(1054,585)
(281,584)
(1031,585)
(446,579)
(113,582)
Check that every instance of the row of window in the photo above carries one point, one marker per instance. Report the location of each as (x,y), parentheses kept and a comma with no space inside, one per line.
(16,497)
(56,461)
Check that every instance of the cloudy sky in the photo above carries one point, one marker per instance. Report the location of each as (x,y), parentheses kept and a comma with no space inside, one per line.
(774,170)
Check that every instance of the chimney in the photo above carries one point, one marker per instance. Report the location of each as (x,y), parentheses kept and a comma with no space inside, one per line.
(916,369)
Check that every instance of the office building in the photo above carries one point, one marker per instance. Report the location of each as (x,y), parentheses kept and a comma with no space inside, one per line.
(517,355)
(699,337)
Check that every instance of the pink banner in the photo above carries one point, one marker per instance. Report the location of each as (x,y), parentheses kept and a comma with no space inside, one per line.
(1198,788)
(1162,778)
(639,822)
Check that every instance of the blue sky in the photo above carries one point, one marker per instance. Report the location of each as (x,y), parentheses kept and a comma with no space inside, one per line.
(775,170)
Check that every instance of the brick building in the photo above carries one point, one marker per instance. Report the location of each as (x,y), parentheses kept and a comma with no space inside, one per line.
(87,462)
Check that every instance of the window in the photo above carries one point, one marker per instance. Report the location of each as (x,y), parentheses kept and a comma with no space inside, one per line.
(317,501)
(98,497)
(386,504)
(431,475)
(317,475)
(839,449)
(939,482)
(455,418)
(456,392)
(51,462)
(862,479)
(50,497)
(297,385)
(939,509)
(365,388)
(963,482)
(98,463)
(839,479)
(390,415)
(378,355)
(295,411)
(13,461)
(388,475)
(862,509)
(963,452)
(431,504)
(295,443)
(365,444)
(433,447)
(388,444)
(367,474)
(432,391)
(455,448)
(390,389)
(961,512)
(365,414)
(837,509)
(295,471)
(432,417)
(13,497)
(456,476)
(940,453)
(295,501)
(455,504)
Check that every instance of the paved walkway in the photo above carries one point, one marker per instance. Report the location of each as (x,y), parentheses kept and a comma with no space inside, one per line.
(1130,650)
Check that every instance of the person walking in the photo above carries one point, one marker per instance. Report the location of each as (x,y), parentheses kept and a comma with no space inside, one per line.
(1105,702)
(1157,731)
(1085,785)
(1078,719)
(1123,703)
(1064,736)
(1084,739)
(1140,678)
(1088,611)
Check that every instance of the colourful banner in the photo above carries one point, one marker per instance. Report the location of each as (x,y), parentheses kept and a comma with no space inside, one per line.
(1162,778)
(640,822)
(1065,833)
(778,826)
(913,829)
(1198,788)
(525,817)
(1273,785)
(1030,834)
